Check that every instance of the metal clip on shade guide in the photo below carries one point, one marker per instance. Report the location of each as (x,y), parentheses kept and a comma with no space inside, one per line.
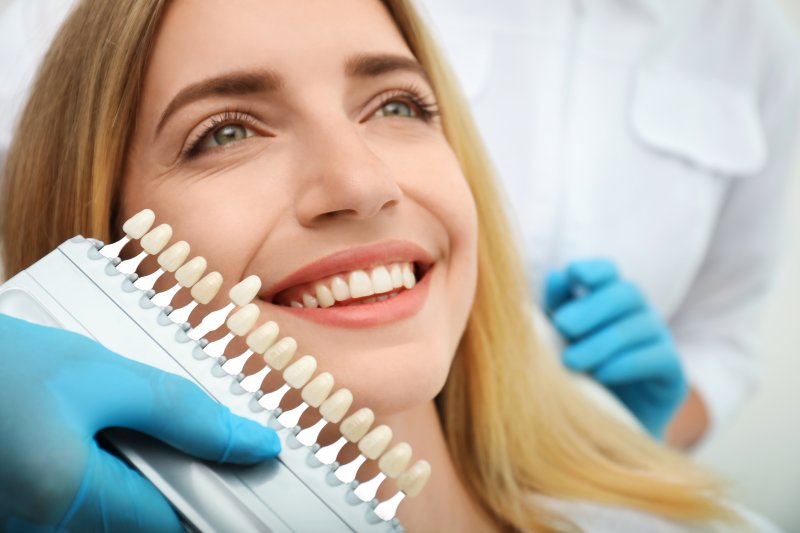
(240,294)
(152,243)
(276,358)
(392,464)
(332,410)
(258,341)
(203,292)
(186,276)
(313,394)
(410,483)
(296,375)
(352,428)
(168,261)
(371,446)
(134,228)
(239,323)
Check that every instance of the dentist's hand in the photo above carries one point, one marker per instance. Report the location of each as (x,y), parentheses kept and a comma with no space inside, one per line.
(57,390)
(614,335)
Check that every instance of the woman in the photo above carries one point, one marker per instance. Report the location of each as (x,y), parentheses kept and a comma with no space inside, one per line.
(319,144)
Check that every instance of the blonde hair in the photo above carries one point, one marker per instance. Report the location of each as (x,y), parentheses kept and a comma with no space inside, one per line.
(514,422)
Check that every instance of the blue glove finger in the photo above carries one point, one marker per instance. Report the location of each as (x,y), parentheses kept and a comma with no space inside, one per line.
(160,404)
(584,315)
(649,381)
(557,290)
(592,273)
(624,334)
(106,502)
(656,361)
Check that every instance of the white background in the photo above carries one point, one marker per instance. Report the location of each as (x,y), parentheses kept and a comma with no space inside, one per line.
(760,451)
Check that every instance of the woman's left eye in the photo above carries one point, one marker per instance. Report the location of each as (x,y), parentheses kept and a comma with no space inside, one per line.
(226,135)
(396,109)
(229,128)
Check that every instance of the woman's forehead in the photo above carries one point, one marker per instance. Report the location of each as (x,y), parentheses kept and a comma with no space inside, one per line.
(215,36)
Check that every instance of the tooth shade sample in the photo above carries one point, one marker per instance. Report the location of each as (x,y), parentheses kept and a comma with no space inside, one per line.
(340,289)
(207,288)
(243,320)
(408,276)
(138,224)
(243,292)
(373,444)
(279,355)
(174,256)
(298,373)
(317,389)
(335,407)
(356,425)
(309,301)
(393,462)
(381,279)
(261,338)
(360,284)
(190,273)
(155,239)
(396,272)
(324,295)
(413,480)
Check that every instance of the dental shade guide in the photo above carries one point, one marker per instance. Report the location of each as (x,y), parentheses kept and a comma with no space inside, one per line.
(134,228)
(80,287)
(240,295)
(168,261)
(185,277)
(152,243)
(392,464)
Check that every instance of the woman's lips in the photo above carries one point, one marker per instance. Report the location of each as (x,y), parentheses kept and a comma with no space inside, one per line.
(352,259)
(405,304)
(384,263)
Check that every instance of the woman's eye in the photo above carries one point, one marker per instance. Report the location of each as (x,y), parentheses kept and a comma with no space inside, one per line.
(228,134)
(396,109)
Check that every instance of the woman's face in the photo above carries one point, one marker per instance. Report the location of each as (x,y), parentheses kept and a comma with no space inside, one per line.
(299,141)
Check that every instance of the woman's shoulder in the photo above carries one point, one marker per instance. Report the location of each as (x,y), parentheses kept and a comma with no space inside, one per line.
(594,517)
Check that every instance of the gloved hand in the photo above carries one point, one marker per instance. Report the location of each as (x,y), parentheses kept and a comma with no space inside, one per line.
(57,390)
(614,335)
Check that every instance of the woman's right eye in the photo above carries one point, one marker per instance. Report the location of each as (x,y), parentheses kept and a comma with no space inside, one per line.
(221,131)
(228,134)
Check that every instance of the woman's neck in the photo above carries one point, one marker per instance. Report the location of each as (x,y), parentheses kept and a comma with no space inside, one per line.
(444,504)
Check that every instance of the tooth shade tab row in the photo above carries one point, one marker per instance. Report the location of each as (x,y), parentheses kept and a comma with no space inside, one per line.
(381,280)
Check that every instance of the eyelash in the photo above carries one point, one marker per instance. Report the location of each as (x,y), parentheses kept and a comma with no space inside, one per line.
(228,117)
(425,106)
(427,110)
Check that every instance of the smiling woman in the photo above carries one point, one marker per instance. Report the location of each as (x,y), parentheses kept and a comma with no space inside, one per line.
(331,156)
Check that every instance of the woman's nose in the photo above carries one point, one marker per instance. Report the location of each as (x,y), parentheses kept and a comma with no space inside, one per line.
(342,177)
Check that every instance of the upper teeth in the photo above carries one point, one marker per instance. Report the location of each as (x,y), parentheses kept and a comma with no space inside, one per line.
(357,284)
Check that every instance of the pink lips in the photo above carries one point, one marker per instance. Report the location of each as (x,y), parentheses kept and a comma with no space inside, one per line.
(405,304)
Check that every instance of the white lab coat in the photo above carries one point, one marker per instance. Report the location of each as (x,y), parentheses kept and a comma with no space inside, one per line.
(657,133)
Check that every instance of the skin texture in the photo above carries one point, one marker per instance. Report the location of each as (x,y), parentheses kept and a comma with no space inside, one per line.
(323,167)
(690,422)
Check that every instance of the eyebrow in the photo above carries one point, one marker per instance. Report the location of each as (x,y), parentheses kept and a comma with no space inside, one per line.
(373,65)
(231,84)
(265,81)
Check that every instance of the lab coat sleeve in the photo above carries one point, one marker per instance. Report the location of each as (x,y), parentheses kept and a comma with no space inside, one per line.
(716,326)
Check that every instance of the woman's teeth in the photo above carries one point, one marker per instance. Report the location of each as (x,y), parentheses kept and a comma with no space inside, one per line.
(384,282)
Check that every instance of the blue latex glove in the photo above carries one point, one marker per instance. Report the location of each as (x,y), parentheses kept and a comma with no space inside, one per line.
(57,390)
(614,335)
